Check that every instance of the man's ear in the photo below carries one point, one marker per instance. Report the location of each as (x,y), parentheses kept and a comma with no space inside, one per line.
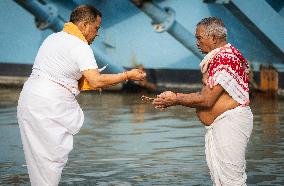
(214,39)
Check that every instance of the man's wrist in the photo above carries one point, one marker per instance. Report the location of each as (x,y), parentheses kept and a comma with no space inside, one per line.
(177,98)
(126,76)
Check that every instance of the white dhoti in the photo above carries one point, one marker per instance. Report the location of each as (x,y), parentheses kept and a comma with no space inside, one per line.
(225,145)
(48,117)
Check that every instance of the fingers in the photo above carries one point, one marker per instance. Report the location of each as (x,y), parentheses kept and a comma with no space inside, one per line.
(167,94)
(160,104)
(157,102)
(160,107)
(142,74)
(138,75)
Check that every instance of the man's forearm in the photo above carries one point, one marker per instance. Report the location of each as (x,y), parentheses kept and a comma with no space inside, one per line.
(193,100)
(105,80)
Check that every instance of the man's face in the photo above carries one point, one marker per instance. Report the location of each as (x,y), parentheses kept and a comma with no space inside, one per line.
(204,43)
(91,30)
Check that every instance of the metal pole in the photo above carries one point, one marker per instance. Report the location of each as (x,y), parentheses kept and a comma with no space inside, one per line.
(164,20)
(46,17)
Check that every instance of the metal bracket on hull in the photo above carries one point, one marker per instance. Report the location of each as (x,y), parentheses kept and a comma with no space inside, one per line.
(167,23)
(46,16)
(44,24)
(163,19)
(261,19)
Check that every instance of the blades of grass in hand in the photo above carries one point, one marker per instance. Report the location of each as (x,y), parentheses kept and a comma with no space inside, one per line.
(147,99)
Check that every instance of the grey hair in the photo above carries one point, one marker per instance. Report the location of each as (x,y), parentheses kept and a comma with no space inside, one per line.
(214,26)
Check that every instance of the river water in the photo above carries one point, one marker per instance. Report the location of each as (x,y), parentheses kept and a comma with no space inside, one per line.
(126,142)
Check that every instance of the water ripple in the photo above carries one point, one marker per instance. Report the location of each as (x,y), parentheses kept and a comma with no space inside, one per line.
(124,142)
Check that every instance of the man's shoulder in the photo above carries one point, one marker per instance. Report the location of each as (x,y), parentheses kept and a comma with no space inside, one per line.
(55,38)
(228,58)
(229,54)
(65,37)
(67,40)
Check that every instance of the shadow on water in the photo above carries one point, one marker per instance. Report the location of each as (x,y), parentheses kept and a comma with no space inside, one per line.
(126,142)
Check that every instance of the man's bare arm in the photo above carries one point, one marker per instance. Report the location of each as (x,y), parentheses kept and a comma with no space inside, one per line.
(206,98)
(98,80)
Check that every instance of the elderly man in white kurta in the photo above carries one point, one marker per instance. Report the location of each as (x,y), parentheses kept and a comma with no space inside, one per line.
(222,104)
(48,113)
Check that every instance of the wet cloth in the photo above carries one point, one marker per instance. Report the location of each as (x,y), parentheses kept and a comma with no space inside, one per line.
(225,145)
(226,66)
(48,113)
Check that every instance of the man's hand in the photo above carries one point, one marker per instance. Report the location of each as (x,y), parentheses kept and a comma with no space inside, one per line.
(136,74)
(165,99)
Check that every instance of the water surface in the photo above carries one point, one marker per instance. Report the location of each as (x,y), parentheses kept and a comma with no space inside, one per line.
(126,142)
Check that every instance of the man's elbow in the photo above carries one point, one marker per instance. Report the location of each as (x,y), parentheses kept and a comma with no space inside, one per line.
(207,104)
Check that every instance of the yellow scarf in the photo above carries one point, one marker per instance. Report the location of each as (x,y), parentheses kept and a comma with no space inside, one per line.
(72,29)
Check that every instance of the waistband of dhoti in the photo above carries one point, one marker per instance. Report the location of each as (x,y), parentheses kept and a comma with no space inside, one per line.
(38,72)
(241,107)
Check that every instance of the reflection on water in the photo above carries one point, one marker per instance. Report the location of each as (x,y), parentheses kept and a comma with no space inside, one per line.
(126,142)
(266,149)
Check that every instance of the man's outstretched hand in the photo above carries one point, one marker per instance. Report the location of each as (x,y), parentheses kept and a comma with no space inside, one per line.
(163,100)
(147,99)
(136,74)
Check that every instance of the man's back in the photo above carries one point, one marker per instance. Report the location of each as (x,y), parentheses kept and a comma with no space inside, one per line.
(58,53)
(62,57)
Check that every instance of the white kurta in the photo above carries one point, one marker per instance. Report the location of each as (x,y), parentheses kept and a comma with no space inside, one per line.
(48,113)
(225,145)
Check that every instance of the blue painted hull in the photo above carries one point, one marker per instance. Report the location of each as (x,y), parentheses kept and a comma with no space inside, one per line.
(128,39)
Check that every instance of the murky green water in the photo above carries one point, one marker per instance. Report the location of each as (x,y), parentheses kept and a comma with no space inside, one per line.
(126,142)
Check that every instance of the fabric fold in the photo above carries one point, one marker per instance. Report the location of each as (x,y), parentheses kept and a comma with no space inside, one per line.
(225,143)
(226,66)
